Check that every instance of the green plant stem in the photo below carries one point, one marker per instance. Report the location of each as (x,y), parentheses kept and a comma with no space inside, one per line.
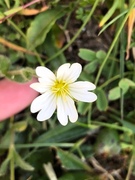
(106,83)
(12,167)
(76,3)
(113,126)
(77,34)
(81,154)
(16,28)
(44,145)
(25,38)
(78,144)
(114,111)
(115,50)
(66,21)
(131,164)
(114,42)
(39,59)
(115,117)
(112,21)
(89,114)
(122,58)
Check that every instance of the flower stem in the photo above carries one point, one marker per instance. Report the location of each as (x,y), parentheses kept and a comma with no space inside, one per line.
(122,58)
(89,114)
(12,167)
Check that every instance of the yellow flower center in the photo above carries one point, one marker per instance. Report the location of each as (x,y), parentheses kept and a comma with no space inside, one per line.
(60,88)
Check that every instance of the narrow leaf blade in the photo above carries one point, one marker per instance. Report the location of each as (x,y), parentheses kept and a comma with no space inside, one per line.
(41,25)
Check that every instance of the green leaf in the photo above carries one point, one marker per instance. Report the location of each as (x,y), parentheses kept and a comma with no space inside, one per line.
(21,163)
(125,83)
(86,77)
(62,134)
(27,73)
(101,55)
(4,64)
(123,87)
(1,15)
(83,107)
(78,175)
(112,21)
(102,102)
(18,161)
(115,93)
(7,3)
(41,25)
(5,139)
(13,11)
(87,54)
(91,67)
(130,65)
(4,166)
(71,162)
(21,75)
(129,125)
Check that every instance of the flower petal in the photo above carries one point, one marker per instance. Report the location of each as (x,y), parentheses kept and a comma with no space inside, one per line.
(69,73)
(48,109)
(62,71)
(83,96)
(61,112)
(45,73)
(74,72)
(46,81)
(82,85)
(71,109)
(41,101)
(39,87)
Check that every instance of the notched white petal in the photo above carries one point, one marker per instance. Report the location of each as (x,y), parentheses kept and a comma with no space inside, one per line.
(44,72)
(84,96)
(61,112)
(37,103)
(82,85)
(38,87)
(48,109)
(62,71)
(69,73)
(71,109)
(74,72)
(40,102)
(46,81)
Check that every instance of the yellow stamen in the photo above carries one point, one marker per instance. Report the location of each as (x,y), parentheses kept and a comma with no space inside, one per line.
(60,88)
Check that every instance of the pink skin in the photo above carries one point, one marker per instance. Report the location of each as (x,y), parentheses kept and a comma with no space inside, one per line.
(14,97)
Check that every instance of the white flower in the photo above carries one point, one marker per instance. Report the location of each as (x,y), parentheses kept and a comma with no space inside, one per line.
(59,91)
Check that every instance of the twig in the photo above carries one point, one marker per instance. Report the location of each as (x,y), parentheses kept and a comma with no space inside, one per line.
(97,166)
